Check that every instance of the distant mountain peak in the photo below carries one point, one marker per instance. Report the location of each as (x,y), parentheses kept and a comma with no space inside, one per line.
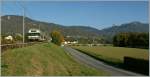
(135,22)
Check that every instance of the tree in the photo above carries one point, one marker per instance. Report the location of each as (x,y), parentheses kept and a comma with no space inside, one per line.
(57,37)
(115,41)
(18,37)
(140,40)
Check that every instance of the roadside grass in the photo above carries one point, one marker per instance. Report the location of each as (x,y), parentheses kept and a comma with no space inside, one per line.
(43,60)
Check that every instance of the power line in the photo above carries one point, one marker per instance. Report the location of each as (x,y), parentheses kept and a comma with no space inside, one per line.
(23,25)
(25,12)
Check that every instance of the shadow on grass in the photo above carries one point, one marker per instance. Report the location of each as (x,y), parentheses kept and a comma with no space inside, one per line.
(137,65)
(131,64)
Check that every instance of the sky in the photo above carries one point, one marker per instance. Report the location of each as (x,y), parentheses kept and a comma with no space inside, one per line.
(97,14)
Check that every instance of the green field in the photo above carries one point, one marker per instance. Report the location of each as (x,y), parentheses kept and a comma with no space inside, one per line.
(42,59)
(114,54)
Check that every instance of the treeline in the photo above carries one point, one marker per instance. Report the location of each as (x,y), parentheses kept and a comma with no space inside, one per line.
(135,40)
(85,40)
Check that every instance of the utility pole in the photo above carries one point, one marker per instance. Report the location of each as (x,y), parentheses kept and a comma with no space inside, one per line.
(0,21)
(23,25)
(23,22)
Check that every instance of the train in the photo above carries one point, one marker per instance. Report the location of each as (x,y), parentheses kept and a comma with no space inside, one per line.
(35,35)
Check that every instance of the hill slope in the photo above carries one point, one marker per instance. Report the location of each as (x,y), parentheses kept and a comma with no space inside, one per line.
(12,24)
(128,27)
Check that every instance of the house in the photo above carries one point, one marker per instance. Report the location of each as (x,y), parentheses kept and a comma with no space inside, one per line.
(70,42)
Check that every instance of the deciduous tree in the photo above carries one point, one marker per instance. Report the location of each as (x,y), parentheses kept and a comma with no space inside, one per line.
(57,37)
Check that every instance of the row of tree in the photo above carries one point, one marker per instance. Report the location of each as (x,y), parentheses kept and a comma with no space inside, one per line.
(58,38)
(139,40)
(85,40)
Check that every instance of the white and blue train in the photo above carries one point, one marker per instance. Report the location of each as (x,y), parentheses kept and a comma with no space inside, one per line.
(35,35)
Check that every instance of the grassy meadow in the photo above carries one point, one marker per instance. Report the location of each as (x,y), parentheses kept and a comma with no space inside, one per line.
(42,60)
(114,54)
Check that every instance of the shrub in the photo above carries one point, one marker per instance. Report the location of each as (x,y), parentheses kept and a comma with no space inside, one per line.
(57,37)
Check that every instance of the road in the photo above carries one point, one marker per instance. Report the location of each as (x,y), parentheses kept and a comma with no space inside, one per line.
(89,61)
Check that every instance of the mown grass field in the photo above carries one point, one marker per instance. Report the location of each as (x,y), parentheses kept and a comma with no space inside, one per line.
(114,54)
(42,60)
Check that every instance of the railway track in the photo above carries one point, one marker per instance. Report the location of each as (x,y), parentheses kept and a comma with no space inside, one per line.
(4,47)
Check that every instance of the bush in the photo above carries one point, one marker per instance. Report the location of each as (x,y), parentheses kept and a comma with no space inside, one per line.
(57,37)
(18,37)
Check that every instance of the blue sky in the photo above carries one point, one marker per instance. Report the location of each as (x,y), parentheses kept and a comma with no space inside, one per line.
(98,14)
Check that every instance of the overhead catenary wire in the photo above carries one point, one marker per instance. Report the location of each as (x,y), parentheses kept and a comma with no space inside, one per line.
(27,12)
(23,25)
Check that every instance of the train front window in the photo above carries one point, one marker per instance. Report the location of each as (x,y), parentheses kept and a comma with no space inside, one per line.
(34,34)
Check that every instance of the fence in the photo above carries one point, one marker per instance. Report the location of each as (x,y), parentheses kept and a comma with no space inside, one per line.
(16,45)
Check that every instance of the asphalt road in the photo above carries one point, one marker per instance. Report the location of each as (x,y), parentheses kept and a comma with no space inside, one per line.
(91,62)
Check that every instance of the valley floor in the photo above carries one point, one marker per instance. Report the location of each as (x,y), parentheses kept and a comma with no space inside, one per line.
(133,59)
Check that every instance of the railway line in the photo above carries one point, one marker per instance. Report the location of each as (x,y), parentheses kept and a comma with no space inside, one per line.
(4,47)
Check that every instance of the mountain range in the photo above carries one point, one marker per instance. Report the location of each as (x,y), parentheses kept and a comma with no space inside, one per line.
(12,24)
